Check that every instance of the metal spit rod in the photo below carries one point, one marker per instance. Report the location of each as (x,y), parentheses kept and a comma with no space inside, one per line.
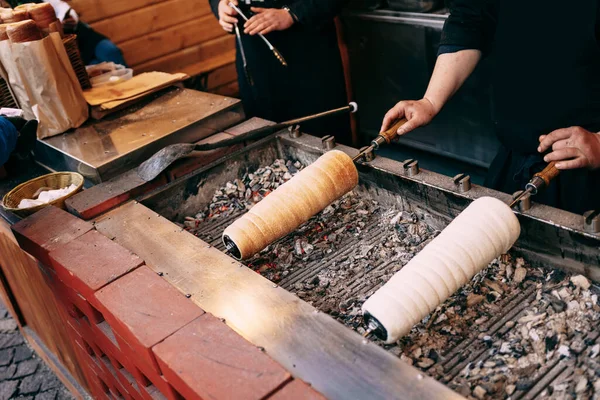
(385,137)
(271,47)
(238,36)
(539,182)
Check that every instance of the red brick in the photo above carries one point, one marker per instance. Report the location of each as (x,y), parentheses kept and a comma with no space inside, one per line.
(91,262)
(119,362)
(144,309)
(152,393)
(48,229)
(128,382)
(93,374)
(147,379)
(81,327)
(68,309)
(73,311)
(78,338)
(103,197)
(122,368)
(92,314)
(113,375)
(98,389)
(83,356)
(66,306)
(107,367)
(105,339)
(200,159)
(297,390)
(73,303)
(206,359)
(94,365)
(103,389)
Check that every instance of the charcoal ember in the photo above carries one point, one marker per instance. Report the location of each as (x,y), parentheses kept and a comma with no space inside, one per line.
(581,282)
(479,392)
(474,299)
(595,351)
(524,384)
(577,346)
(299,246)
(551,342)
(558,305)
(344,254)
(520,274)
(510,389)
(582,384)
(425,363)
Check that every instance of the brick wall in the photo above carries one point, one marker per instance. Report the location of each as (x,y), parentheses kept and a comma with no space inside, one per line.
(137,336)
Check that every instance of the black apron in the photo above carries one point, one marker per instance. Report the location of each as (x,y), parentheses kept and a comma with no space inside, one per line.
(547,77)
(313,81)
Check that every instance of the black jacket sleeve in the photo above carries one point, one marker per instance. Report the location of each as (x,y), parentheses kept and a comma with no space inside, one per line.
(471,24)
(315,13)
(214,5)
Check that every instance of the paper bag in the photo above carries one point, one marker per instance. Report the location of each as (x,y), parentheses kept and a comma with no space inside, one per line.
(54,94)
(13,77)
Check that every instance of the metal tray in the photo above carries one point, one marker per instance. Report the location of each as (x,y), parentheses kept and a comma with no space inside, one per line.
(100,150)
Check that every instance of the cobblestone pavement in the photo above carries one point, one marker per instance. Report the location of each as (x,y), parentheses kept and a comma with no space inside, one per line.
(23,375)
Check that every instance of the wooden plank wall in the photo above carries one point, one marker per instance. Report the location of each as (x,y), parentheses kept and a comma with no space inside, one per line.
(167,35)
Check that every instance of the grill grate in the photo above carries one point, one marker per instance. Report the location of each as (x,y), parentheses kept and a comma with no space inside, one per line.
(343,255)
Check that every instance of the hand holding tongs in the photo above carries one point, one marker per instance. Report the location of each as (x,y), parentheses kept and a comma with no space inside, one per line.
(271,47)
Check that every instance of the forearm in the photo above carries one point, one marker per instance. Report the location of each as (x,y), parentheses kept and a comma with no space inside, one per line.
(450,72)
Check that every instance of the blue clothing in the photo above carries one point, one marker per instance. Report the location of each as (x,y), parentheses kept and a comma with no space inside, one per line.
(107,51)
(8,139)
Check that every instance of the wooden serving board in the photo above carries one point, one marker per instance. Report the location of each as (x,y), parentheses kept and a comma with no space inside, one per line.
(111,96)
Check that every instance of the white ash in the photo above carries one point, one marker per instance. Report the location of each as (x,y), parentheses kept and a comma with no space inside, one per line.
(556,324)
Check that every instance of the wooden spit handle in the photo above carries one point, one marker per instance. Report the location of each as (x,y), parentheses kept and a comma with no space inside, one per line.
(391,133)
(549,173)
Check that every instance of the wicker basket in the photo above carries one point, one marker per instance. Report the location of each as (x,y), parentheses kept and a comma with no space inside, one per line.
(57,180)
(6,98)
(70,42)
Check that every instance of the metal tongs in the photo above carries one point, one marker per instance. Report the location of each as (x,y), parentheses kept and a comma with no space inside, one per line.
(238,35)
(271,47)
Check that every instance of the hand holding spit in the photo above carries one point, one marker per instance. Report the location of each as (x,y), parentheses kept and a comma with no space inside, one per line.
(268,20)
(418,113)
(227,15)
(572,148)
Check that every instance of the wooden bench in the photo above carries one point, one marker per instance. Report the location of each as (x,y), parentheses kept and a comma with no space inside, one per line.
(171,36)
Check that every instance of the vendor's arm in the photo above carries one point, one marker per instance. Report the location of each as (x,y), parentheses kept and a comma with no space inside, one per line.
(309,13)
(572,148)
(467,34)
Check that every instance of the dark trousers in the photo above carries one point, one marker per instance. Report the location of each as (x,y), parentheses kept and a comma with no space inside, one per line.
(312,82)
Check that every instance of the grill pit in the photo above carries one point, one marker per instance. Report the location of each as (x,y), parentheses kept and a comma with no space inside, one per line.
(521,329)
(495,338)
